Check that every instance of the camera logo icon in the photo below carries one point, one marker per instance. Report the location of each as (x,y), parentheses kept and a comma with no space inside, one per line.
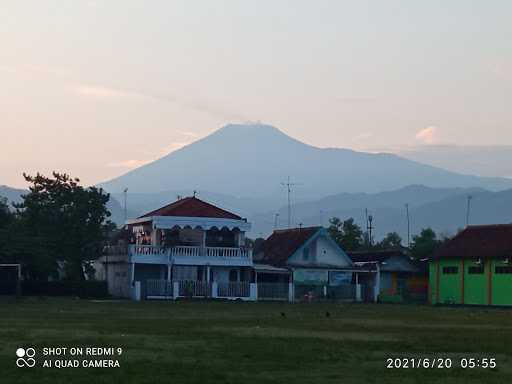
(25,357)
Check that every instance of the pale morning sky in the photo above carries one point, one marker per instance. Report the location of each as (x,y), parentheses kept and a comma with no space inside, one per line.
(96,88)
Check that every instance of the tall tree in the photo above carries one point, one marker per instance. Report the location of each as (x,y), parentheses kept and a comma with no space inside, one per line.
(391,241)
(424,244)
(65,223)
(347,234)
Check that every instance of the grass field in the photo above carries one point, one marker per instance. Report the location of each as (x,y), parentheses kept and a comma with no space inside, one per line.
(217,342)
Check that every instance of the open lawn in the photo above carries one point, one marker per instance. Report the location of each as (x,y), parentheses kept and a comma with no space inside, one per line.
(219,342)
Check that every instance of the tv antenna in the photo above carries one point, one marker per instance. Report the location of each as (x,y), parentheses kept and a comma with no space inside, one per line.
(125,195)
(408,226)
(468,209)
(289,186)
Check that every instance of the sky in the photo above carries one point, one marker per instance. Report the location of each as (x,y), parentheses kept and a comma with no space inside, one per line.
(96,88)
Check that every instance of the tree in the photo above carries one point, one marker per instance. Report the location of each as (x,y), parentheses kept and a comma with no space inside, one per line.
(424,244)
(62,222)
(391,241)
(347,234)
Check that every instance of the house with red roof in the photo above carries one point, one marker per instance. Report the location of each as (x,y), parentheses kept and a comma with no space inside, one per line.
(315,265)
(191,248)
(474,267)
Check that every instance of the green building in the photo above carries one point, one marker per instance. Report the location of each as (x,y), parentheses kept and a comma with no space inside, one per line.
(474,268)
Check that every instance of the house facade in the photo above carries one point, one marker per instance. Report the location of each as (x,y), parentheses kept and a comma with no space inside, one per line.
(401,278)
(316,265)
(190,248)
(474,268)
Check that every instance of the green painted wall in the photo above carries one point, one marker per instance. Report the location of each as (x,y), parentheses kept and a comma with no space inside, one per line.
(501,285)
(475,285)
(450,284)
(432,281)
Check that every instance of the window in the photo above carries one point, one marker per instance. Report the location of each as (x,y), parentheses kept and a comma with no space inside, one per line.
(305,253)
(450,270)
(476,270)
(503,269)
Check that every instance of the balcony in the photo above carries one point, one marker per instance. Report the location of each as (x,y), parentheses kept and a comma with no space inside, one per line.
(190,255)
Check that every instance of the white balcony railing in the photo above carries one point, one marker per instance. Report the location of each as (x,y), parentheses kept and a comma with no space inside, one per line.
(163,255)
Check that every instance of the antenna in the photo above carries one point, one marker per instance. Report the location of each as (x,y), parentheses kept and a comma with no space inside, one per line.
(276,220)
(468,209)
(288,186)
(195,192)
(125,193)
(408,226)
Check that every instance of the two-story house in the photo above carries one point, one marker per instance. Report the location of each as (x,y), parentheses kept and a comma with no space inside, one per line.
(190,248)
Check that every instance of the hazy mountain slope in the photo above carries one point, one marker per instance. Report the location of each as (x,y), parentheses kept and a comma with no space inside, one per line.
(445,212)
(252,161)
(14,195)
(491,160)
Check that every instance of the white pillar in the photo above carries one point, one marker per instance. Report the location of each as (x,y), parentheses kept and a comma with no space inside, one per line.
(215,290)
(253,288)
(377,282)
(175,289)
(133,272)
(169,267)
(136,295)
(291,292)
(358,292)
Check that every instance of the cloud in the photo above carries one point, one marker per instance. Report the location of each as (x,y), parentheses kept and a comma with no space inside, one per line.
(427,135)
(363,136)
(102,93)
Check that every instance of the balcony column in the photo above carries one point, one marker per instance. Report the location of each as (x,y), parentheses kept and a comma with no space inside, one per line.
(207,273)
(203,242)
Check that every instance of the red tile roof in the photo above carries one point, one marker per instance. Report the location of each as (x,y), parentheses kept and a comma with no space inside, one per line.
(378,256)
(192,207)
(285,242)
(479,241)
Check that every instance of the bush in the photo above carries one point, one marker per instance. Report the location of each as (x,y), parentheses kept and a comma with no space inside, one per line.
(82,289)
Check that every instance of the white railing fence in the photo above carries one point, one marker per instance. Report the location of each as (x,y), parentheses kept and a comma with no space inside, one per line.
(273,291)
(233,289)
(183,250)
(193,288)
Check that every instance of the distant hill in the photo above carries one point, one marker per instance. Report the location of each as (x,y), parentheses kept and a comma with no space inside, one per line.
(442,209)
(14,195)
(490,160)
(251,161)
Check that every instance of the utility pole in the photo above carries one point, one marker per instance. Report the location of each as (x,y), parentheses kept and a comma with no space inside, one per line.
(288,186)
(276,222)
(468,209)
(370,227)
(125,192)
(408,226)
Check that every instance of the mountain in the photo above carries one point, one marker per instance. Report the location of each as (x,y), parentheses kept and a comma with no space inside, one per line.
(252,160)
(13,195)
(490,160)
(442,209)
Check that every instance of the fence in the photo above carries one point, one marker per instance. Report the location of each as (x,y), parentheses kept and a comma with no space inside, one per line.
(343,292)
(273,291)
(233,289)
(193,288)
